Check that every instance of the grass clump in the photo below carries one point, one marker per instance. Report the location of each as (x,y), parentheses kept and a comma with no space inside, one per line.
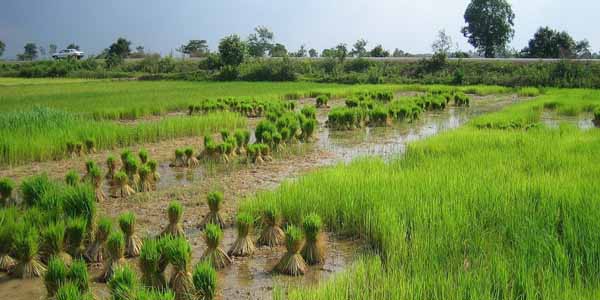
(313,251)
(244,245)
(26,249)
(116,251)
(214,201)
(7,186)
(205,280)
(272,235)
(133,244)
(292,262)
(214,254)
(96,249)
(152,263)
(179,254)
(174,214)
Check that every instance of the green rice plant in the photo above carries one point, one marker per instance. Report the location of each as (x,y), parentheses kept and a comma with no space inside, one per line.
(313,250)
(243,245)
(213,253)
(115,247)
(190,160)
(263,127)
(78,148)
(145,175)
(154,294)
(8,218)
(80,202)
(131,168)
(78,275)
(7,186)
(125,155)
(143,155)
(90,145)
(72,178)
(322,101)
(153,165)
(75,231)
(55,276)
(205,280)
(123,284)
(69,291)
(96,249)
(89,166)
(225,134)
(460,99)
(174,214)
(528,92)
(309,126)
(179,160)
(214,200)
(292,262)
(179,254)
(96,180)
(25,245)
(133,244)
(122,181)
(53,244)
(152,257)
(597,117)
(35,187)
(272,235)
(111,166)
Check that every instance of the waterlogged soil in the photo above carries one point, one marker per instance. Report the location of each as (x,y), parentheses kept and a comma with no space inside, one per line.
(248,278)
(583,121)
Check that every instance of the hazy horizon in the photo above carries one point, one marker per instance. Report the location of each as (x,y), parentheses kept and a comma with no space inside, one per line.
(162,26)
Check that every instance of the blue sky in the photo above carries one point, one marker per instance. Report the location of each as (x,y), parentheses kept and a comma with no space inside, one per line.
(161,26)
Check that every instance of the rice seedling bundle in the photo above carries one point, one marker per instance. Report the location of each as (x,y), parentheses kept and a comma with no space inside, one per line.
(313,250)
(25,245)
(190,160)
(96,180)
(152,263)
(309,112)
(460,99)
(89,166)
(214,201)
(122,180)
(75,231)
(145,176)
(272,235)
(242,138)
(179,254)
(7,186)
(123,284)
(115,246)
(90,145)
(55,276)
(214,254)
(153,165)
(53,243)
(154,294)
(80,202)
(322,101)
(292,262)
(69,291)
(243,245)
(96,249)
(7,230)
(143,154)
(131,168)
(174,214)
(111,166)
(133,244)
(205,280)
(179,160)
(78,275)
(72,178)
(35,187)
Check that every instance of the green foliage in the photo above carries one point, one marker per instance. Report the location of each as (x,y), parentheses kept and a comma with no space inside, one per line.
(175,210)
(116,244)
(179,253)
(69,291)
(232,50)
(205,280)
(72,178)
(78,275)
(127,223)
(489,25)
(311,225)
(56,275)
(123,284)
(34,188)
(7,186)
(549,43)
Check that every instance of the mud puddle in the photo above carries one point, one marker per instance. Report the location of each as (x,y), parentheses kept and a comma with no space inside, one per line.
(583,121)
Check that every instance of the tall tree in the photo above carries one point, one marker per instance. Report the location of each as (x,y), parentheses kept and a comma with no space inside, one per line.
(278,50)
(341,52)
(378,51)
(489,25)
(359,49)
(42,51)
(313,53)
(301,52)
(120,48)
(73,46)
(443,43)
(260,42)
(195,48)
(582,49)
(232,50)
(549,43)
(2,48)
(30,52)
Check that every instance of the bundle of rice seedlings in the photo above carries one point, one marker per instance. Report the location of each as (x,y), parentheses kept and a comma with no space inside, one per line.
(131,168)
(292,262)
(124,156)
(116,250)
(223,149)
(255,153)
(78,275)
(26,253)
(95,251)
(80,202)
(111,166)
(53,243)
(308,129)
(90,145)
(74,236)
(214,254)
(72,178)
(145,179)
(71,149)
(242,138)
(231,149)
(313,251)
(123,184)
(6,189)
(179,160)
(224,134)
(265,152)
(153,294)
(133,244)
(55,276)
(153,263)
(205,280)
(210,148)
(322,101)
(69,291)
(153,165)
(179,254)
(78,149)
(272,235)
(174,212)
(96,180)
(7,231)
(143,154)
(89,166)
(123,284)
(190,160)
(243,246)
(214,201)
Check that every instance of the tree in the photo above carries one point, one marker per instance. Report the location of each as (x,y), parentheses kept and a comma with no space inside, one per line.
(582,49)
(341,52)
(120,48)
(278,50)
(378,51)
(300,53)
(549,43)
(313,53)
(232,50)
(260,42)
(359,48)
(2,48)
(73,46)
(489,25)
(139,49)
(399,53)
(443,44)
(30,52)
(195,48)
(52,48)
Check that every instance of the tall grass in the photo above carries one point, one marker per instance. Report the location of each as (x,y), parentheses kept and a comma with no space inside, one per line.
(42,133)
(470,214)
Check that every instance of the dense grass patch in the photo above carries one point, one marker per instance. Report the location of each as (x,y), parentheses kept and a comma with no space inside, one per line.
(43,134)
(469,214)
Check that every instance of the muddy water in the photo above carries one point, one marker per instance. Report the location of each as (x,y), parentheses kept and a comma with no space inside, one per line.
(250,278)
(583,121)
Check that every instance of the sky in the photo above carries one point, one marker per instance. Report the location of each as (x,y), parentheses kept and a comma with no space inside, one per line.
(161,26)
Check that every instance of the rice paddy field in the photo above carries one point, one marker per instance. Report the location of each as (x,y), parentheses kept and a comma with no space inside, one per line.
(197,190)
